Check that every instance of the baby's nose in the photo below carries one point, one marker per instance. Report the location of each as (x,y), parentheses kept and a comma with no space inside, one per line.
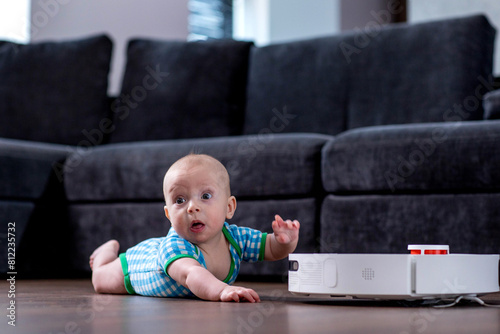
(193,207)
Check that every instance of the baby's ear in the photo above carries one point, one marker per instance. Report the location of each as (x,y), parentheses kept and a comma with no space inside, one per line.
(166,212)
(231,207)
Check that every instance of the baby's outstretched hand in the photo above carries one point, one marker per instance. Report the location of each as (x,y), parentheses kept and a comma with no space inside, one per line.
(285,231)
(238,293)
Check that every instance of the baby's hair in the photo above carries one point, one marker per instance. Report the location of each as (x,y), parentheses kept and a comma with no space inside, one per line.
(199,158)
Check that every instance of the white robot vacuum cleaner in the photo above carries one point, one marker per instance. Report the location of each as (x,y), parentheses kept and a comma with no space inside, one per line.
(427,272)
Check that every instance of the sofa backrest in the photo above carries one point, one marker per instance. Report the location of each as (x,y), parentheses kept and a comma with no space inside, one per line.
(178,89)
(429,72)
(297,87)
(54,91)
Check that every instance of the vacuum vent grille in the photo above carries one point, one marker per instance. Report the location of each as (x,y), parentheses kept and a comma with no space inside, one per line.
(368,274)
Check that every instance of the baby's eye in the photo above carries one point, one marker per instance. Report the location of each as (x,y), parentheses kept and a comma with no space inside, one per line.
(206,196)
(179,200)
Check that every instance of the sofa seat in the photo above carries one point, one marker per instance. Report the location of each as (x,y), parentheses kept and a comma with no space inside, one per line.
(259,166)
(433,183)
(270,174)
(92,224)
(433,157)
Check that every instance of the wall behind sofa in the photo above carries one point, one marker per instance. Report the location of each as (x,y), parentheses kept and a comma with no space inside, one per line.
(121,20)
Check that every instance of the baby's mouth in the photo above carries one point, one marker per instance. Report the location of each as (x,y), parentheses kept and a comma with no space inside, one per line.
(197,226)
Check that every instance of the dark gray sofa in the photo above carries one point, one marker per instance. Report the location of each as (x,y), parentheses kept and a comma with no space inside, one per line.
(372,140)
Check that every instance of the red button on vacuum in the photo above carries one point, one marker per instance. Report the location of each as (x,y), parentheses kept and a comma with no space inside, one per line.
(429,249)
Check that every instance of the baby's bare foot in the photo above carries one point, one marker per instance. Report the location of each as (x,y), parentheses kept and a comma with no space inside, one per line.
(112,246)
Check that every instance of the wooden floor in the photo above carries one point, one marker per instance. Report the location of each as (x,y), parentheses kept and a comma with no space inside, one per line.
(71,306)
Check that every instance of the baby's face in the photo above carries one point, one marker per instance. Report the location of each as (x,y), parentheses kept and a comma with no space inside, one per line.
(197,202)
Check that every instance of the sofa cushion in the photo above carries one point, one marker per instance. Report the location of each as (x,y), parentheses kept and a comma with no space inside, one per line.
(420,73)
(52,91)
(259,166)
(431,157)
(406,73)
(31,171)
(174,89)
(297,87)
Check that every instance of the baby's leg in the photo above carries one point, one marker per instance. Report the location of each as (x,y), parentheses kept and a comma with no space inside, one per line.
(105,253)
(107,274)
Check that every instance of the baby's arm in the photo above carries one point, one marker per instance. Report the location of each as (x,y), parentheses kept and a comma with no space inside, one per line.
(284,239)
(205,285)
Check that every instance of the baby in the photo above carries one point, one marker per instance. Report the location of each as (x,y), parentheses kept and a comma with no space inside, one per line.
(201,253)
